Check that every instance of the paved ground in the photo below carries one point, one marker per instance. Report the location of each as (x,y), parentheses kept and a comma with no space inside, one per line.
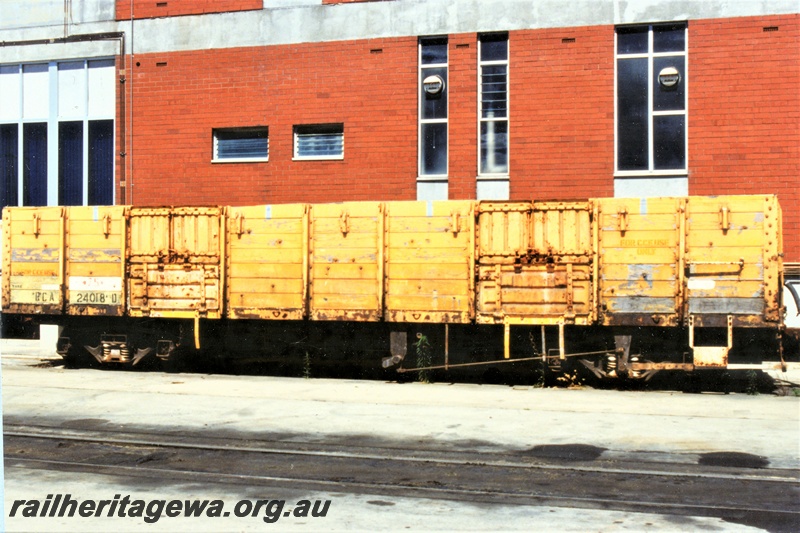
(657,427)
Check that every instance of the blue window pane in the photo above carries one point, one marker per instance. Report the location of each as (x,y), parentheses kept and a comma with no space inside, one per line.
(632,113)
(101,162)
(669,98)
(9,144)
(632,40)
(34,170)
(670,38)
(494,147)
(669,142)
(70,163)
(434,51)
(434,149)
(320,145)
(242,144)
(494,91)
(494,48)
(434,105)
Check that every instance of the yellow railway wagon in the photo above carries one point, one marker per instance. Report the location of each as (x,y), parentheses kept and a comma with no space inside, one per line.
(622,264)
(33,260)
(96,241)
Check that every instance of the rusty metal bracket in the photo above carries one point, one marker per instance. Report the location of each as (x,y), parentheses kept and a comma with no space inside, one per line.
(37,224)
(107,225)
(623,220)
(724,218)
(710,356)
(455,224)
(239,223)
(344,222)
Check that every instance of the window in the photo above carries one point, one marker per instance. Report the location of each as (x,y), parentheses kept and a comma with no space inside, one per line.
(493,103)
(57,133)
(651,100)
(241,144)
(320,141)
(9,173)
(433,107)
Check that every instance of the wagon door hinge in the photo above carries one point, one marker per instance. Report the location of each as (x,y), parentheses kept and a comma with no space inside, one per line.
(570,295)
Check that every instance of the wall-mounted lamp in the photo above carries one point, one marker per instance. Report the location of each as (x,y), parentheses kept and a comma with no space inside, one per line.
(669,77)
(433,85)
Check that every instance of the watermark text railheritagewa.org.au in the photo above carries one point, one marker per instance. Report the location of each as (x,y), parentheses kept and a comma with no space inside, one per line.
(151,511)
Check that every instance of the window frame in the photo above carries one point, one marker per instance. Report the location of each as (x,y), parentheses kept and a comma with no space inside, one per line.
(441,39)
(651,56)
(507,118)
(245,129)
(92,101)
(301,130)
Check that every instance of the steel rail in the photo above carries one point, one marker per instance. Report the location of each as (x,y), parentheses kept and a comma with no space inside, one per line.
(429,458)
(681,507)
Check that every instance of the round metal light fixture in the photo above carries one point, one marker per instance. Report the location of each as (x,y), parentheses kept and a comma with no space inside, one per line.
(669,77)
(433,85)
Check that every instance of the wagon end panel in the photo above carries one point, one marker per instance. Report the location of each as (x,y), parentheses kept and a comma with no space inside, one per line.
(733,260)
(429,261)
(535,263)
(175,262)
(267,262)
(33,260)
(346,261)
(95,267)
(640,269)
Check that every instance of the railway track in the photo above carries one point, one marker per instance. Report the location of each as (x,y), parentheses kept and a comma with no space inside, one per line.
(754,496)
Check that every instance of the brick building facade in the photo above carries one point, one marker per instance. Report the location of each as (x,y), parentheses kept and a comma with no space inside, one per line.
(272,101)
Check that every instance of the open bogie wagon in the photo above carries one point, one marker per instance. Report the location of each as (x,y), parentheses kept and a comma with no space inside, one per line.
(587,278)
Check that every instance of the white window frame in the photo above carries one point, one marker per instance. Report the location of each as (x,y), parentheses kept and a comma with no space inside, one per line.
(322,130)
(421,121)
(215,150)
(650,56)
(53,117)
(506,119)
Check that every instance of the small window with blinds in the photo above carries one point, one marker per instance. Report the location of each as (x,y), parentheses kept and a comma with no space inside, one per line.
(319,141)
(241,144)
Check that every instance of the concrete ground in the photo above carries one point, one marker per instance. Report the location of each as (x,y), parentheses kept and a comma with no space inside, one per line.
(644,426)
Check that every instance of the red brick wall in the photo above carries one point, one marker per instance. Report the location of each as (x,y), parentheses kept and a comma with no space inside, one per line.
(744,112)
(744,128)
(562,113)
(370,86)
(462,115)
(143,9)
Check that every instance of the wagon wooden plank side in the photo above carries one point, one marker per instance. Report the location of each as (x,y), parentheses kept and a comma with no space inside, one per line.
(429,257)
(350,234)
(732,261)
(95,267)
(267,262)
(640,267)
(33,260)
